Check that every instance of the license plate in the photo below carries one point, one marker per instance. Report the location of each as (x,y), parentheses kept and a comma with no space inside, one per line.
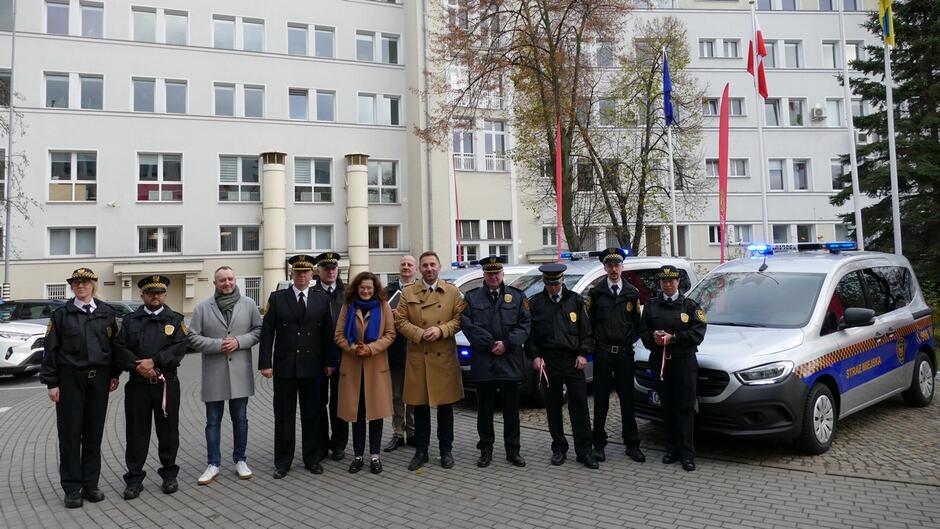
(465,368)
(654,398)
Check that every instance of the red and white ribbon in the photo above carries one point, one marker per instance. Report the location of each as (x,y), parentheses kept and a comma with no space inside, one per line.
(162,378)
(662,367)
(543,375)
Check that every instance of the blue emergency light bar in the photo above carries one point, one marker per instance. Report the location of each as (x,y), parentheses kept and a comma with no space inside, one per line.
(832,247)
(461,264)
(574,256)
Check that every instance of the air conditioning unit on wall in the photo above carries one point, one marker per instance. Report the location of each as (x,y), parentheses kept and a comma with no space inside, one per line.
(818,113)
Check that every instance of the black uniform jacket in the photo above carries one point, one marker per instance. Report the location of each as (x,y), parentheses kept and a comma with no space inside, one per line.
(75,340)
(485,321)
(683,318)
(301,347)
(336,305)
(160,337)
(560,331)
(615,320)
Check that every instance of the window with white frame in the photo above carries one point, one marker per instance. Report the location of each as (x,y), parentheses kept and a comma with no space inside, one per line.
(854,51)
(500,250)
(239,238)
(549,236)
(297,103)
(71,242)
(252,35)
(706,48)
(144,93)
(468,230)
(391,110)
(326,105)
(775,170)
(836,170)
(57,291)
(313,237)
(176,27)
(714,234)
(805,233)
(842,232)
(252,288)
(323,38)
(498,229)
(145,24)
(57,17)
(605,54)
(5,87)
(797,111)
(682,241)
(297,39)
(607,112)
(737,167)
(770,60)
(834,113)
(712,105)
(494,146)
(793,54)
(57,90)
(468,252)
(224,99)
(92,91)
(366,106)
(772,112)
(382,182)
(175,97)
(781,233)
(389,49)
(92,19)
(731,48)
(463,150)
(741,233)
(159,177)
(159,239)
(383,237)
(223,32)
(239,179)
(801,175)
(313,180)
(365,46)
(73,176)
(830,55)
(254,101)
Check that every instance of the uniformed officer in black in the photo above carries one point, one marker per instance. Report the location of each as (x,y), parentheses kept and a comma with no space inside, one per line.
(674,327)
(79,368)
(497,322)
(150,345)
(297,331)
(334,431)
(614,313)
(559,343)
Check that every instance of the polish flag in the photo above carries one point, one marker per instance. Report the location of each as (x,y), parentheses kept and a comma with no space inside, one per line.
(761,53)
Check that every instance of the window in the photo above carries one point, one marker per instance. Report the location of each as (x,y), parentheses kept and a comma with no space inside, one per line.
(92,20)
(836,170)
(313,237)
(584,175)
(177,27)
(73,176)
(145,24)
(788,5)
(92,91)
(254,101)
(825,5)
(842,232)
(366,109)
(732,48)
(313,180)
(297,103)
(57,90)
(741,233)
(365,47)
(772,112)
(805,233)
(605,55)
(159,177)
(801,175)
(323,42)
(252,288)
(296,39)
(144,90)
(176,97)
(4,88)
(223,32)
(607,112)
(830,55)
(498,229)
(253,35)
(710,106)
(326,105)
(57,17)
(468,229)
(390,49)
(854,51)
(383,237)
(797,112)
(383,182)
(714,234)
(160,239)
(781,233)
(775,169)
(549,236)
(391,107)
(224,99)
(463,150)
(239,238)
(792,54)
(853,5)
(500,250)
(56,291)
(770,61)
(71,241)
(736,106)
(737,167)
(468,252)
(494,146)
(682,241)
(706,48)
(895,281)
(238,179)
(834,113)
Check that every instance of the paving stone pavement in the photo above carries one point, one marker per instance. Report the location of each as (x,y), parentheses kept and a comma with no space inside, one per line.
(754,491)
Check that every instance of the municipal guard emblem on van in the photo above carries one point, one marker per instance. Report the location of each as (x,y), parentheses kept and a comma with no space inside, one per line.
(901,346)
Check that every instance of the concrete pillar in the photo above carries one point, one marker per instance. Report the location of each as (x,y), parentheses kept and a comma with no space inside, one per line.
(357,212)
(273,219)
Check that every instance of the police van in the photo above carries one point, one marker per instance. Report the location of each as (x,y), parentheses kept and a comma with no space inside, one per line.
(800,337)
(467,277)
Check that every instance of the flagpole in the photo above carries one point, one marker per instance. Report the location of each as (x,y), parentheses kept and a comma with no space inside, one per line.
(850,125)
(6,290)
(758,104)
(892,155)
(674,246)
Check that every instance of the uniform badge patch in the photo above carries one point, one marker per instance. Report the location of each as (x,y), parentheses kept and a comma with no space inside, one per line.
(507,298)
(525,303)
(107,332)
(629,306)
(901,349)
(48,327)
(700,314)
(573,316)
(168,330)
(684,317)
(183,328)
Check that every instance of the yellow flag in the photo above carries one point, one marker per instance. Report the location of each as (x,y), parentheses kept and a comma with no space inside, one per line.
(886,15)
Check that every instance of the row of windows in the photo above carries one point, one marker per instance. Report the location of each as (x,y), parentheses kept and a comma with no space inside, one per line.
(782,53)
(73,177)
(168,26)
(810,5)
(229,99)
(466,157)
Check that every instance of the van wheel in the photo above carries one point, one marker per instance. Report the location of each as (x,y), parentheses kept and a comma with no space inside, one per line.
(819,421)
(921,391)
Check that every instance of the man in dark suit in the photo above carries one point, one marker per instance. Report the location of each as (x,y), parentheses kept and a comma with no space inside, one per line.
(334,432)
(298,329)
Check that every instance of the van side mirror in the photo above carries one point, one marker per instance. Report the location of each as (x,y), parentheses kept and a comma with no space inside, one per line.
(857,317)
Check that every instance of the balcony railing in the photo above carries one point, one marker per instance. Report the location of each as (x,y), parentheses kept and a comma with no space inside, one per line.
(464,162)
(495,162)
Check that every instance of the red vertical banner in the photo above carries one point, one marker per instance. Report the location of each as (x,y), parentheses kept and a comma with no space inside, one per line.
(723,169)
(558,190)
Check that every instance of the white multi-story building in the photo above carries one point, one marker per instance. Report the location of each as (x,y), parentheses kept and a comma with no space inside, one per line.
(143,122)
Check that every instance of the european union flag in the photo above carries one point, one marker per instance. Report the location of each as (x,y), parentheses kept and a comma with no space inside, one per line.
(667,90)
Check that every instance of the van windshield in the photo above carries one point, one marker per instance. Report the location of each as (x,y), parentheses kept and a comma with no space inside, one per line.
(754,299)
(531,284)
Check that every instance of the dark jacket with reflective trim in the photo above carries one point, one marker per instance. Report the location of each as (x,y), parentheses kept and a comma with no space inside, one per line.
(160,337)
(76,340)
(485,321)
(615,320)
(300,347)
(560,331)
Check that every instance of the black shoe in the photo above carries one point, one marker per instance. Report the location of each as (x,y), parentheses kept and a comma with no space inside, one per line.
(515,459)
(688,464)
(338,455)
(170,486)
(589,461)
(634,453)
(418,461)
(73,500)
(376,466)
(669,459)
(132,491)
(280,473)
(395,443)
(315,468)
(356,465)
(486,457)
(93,495)
(599,454)
(558,458)
(447,460)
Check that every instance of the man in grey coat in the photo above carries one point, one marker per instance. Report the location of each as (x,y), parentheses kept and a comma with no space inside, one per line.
(224,328)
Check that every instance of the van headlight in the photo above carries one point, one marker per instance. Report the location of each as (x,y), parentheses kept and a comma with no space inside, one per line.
(765,374)
(15,336)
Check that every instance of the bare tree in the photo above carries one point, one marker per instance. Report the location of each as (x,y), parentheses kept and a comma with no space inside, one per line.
(13,165)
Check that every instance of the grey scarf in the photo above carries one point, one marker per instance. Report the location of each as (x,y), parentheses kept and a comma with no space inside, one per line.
(226,303)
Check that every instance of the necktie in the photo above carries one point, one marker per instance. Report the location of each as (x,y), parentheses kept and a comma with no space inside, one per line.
(301,304)
(614,289)
(87,308)
(555,298)
(494,294)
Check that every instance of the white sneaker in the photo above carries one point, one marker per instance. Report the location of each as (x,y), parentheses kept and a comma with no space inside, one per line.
(209,475)
(243,471)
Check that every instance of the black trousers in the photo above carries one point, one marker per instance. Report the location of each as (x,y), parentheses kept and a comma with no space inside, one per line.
(565,375)
(80,414)
(486,395)
(329,422)
(614,371)
(286,393)
(445,427)
(677,394)
(359,427)
(143,407)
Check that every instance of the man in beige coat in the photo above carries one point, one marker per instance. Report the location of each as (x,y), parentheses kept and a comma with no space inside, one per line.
(429,317)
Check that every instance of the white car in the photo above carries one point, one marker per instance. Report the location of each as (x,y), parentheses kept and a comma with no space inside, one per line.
(21,347)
